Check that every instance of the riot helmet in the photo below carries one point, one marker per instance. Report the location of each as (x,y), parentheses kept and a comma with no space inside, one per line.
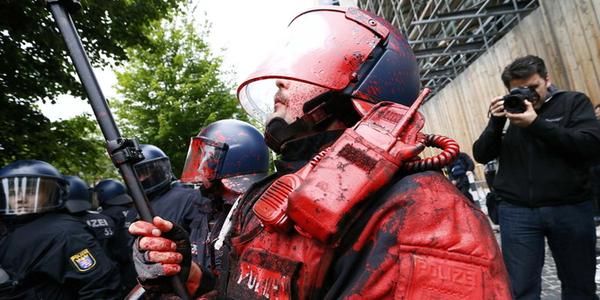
(111,192)
(231,151)
(80,197)
(154,172)
(30,187)
(348,51)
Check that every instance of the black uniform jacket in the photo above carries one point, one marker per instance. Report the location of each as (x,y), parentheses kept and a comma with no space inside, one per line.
(54,256)
(178,205)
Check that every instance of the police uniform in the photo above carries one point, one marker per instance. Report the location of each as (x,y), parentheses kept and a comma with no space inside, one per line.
(54,256)
(101,225)
(122,217)
(400,241)
(121,243)
(178,205)
(205,230)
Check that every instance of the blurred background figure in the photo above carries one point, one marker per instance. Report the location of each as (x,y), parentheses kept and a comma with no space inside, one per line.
(595,179)
(458,172)
(491,201)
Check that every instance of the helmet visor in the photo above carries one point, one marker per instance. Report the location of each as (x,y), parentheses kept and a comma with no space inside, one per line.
(322,47)
(204,160)
(154,173)
(28,195)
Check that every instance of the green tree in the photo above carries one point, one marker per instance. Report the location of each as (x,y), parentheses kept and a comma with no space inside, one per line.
(172,89)
(79,149)
(22,131)
(34,64)
(74,146)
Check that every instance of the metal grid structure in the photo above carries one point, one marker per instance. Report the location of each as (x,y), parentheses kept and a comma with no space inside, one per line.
(448,35)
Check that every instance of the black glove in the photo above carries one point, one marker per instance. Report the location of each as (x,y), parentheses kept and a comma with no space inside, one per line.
(151,275)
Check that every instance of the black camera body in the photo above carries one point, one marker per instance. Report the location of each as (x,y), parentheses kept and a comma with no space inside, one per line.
(514,102)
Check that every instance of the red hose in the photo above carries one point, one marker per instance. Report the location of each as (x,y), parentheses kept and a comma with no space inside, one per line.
(449,148)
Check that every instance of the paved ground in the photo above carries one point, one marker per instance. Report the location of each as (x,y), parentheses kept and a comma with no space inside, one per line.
(550,282)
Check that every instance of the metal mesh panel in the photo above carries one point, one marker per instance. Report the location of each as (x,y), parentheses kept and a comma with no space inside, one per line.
(448,35)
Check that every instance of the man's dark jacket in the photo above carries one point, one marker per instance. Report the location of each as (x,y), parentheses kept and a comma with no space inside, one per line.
(548,162)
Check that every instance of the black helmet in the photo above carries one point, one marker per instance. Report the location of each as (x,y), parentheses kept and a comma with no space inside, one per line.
(80,198)
(154,171)
(111,192)
(228,150)
(31,186)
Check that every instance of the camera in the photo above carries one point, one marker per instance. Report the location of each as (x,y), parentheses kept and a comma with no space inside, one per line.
(514,102)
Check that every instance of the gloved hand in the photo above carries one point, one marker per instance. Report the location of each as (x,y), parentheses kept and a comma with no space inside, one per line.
(161,250)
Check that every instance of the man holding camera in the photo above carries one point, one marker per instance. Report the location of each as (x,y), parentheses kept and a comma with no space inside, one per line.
(543,179)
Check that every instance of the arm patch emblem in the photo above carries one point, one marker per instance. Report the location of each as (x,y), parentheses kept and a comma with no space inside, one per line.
(83,261)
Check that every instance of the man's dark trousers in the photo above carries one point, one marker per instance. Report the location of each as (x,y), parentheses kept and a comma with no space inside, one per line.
(571,237)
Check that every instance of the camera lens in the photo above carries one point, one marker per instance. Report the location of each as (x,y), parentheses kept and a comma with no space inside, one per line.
(514,103)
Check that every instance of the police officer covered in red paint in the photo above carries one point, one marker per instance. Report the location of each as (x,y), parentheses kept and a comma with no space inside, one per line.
(349,212)
(224,160)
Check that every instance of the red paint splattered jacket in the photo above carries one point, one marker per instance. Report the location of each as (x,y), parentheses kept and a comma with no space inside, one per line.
(418,238)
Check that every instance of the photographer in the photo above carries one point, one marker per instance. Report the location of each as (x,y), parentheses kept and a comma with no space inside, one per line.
(543,179)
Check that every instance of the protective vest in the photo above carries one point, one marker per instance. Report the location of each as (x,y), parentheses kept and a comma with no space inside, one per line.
(287,250)
(437,245)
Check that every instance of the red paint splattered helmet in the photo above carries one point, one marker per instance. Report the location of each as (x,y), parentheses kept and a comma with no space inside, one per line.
(341,49)
(231,151)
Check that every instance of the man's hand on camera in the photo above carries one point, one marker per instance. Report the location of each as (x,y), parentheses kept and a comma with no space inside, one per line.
(497,107)
(156,256)
(525,118)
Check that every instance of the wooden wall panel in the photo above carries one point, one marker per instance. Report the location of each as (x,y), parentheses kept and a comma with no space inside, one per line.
(566,34)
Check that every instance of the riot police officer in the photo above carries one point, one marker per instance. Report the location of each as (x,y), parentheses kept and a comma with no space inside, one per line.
(46,253)
(225,159)
(175,203)
(344,217)
(116,203)
(79,204)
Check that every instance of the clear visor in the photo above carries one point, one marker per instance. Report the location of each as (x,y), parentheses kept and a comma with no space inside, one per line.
(28,195)
(321,47)
(154,173)
(204,160)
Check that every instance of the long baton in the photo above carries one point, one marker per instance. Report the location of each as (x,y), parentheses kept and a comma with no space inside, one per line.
(123,152)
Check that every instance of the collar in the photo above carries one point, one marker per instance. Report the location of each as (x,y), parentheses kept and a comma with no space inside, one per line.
(296,153)
(552,90)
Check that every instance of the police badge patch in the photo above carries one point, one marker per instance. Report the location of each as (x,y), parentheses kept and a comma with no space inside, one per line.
(83,261)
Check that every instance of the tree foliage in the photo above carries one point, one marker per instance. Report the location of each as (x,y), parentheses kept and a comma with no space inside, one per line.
(74,146)
(172,89)
(80,150)
(34,64)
